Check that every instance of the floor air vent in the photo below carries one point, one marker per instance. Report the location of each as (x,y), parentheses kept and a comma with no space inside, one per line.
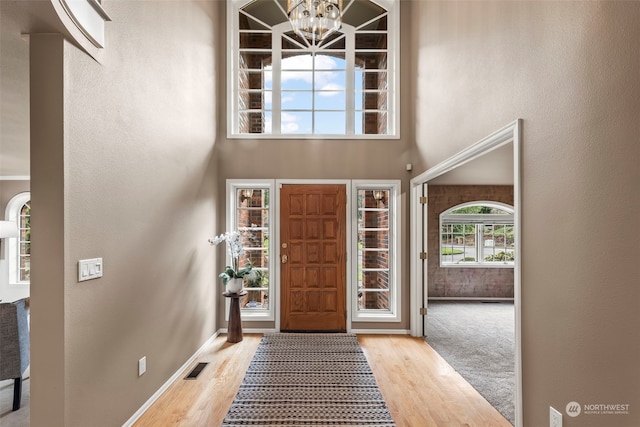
(196,371)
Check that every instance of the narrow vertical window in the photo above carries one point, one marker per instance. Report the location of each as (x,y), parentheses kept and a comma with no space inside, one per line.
(252,216)
(373,249)
(24,244)
(376,252)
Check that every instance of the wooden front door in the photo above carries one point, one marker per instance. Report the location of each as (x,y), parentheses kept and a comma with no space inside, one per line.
(313,258)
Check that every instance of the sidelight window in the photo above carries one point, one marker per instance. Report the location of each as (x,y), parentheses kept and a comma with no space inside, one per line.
(376,293)
(251,215)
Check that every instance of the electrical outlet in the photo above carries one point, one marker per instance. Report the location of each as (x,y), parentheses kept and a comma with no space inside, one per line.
(142,366)
(555,417)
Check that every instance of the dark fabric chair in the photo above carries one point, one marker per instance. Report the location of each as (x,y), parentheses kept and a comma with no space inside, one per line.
(14,345)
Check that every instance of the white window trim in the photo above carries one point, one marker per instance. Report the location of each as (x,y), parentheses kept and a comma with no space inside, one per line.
(346,183)
(393,78)
(395,294)
(395,260)
(477,219)
(12,213)
(232,186)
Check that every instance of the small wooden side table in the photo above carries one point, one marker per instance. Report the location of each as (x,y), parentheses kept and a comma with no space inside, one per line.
(234,328)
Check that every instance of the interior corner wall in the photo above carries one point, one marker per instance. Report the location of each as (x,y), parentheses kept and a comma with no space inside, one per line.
(451,282)
(123,169)
(570,71)
(48,404)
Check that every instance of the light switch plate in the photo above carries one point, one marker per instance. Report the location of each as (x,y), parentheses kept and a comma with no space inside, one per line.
(89,269)
(142,366)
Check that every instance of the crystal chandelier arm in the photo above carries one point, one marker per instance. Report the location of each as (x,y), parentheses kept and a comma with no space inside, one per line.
(293,4)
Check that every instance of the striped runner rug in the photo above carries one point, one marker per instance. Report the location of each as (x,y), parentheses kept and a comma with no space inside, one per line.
(309,380)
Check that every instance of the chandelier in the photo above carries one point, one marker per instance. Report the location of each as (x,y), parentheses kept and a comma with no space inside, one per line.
(315,19)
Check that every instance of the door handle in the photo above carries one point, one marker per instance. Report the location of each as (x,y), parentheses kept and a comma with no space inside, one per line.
(284,259)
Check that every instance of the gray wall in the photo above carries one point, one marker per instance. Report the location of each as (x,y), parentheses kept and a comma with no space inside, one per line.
(570,71)
(123,169)
(14,87)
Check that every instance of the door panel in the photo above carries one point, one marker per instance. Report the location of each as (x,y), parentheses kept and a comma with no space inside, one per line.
(313,257)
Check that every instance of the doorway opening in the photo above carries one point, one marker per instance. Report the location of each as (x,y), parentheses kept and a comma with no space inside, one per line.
(505,140)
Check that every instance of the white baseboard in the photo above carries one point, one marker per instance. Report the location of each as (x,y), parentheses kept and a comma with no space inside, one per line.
(170,381)
(355,331)
(259,331)
(250,330)
(381,331)
(468,299)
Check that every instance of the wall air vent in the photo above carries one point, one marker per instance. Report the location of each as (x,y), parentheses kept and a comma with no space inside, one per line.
(196,371)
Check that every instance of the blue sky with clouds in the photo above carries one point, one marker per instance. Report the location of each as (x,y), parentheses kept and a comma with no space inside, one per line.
(299,81)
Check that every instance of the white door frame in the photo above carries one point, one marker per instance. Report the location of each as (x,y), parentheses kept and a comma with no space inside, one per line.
(512,133)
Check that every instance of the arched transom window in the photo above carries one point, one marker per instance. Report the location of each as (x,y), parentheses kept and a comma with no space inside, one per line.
(477,234)
(284,85)
(19,211)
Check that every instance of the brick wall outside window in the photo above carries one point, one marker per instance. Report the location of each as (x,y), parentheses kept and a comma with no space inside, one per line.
(464,282)
(375,259)
(253,239)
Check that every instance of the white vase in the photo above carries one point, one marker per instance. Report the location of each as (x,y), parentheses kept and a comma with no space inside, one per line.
(234,286)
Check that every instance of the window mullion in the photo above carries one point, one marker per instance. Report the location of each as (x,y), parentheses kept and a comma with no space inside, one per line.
(350,49)
(276,82)
(313,90)
(479,242)
(233,93)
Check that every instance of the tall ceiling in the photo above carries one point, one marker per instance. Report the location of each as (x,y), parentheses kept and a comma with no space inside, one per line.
(17,20)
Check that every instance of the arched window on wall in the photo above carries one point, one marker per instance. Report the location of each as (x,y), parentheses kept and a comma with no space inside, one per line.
(19,249)
(281,84)
(477,234)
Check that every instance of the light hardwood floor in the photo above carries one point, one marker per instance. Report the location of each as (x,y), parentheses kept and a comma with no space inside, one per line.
(420,388)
